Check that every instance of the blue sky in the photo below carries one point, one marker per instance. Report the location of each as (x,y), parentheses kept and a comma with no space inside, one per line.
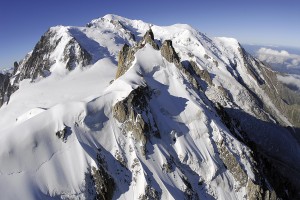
(274,22)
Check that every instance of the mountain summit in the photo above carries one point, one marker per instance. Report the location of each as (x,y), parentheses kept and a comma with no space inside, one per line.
(123,109)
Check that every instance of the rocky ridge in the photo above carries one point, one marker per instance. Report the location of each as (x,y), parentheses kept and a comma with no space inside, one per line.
(256,189)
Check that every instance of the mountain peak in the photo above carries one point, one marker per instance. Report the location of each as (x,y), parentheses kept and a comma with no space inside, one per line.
(113,17)
(229,42)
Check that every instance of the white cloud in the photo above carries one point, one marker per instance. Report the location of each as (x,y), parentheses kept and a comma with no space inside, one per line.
(282,57)
(291,80)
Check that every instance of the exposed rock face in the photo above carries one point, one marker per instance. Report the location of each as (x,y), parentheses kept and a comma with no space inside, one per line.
(150,194)
(62,134)
(256,192)
(135,115)
(4,85)
(16,66)
(286,100)
(119,25)
(104,184)
(168,52)
(249,66)
(189,192)
(149,38)
(39,59)
(39,62)
(203,74)
(232,165)
(75,55)
(126,56)
(271,179)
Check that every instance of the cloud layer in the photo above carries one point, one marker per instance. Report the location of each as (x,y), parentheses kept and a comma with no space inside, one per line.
(280,58)
(293,81)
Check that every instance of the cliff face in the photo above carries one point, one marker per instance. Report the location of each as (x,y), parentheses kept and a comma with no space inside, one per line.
(42,58)
(4,84)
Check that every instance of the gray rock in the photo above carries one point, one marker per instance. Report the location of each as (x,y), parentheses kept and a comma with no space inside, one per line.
(254,192)
(73,58)
(120,111)
(286,100)
(4,86)
(150,194)
(169,53)
(257,192)
(126,56)
(135,115)
(39,59)
(119,25)
(104,184)
(189,192)
(39,62)
(251,70)
(267,175)
(16,66)
(64,133)
(223,92)
(232,165)
(203,74)
(148,38)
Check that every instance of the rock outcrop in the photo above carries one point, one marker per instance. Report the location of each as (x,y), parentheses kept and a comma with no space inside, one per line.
(203,74)
(256,192)
(169,53)
(270,183)
(252,71)
(286,100)
(135,116)
(39,61)
(4,85)
(75,55)
(126,56)
(148,38)
(16,66)
(232,165)
(150,194)
(104,184)
(63,134)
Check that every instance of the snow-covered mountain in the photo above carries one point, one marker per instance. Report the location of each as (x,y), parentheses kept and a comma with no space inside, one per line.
(5,70)
(123,109)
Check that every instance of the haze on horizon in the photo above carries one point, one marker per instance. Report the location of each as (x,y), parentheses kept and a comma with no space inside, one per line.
(252,22)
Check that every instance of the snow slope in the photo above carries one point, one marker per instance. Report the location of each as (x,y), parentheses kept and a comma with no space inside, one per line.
(196,155)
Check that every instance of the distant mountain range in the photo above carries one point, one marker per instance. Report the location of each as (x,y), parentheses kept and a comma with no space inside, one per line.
(124,109)
(5,70)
